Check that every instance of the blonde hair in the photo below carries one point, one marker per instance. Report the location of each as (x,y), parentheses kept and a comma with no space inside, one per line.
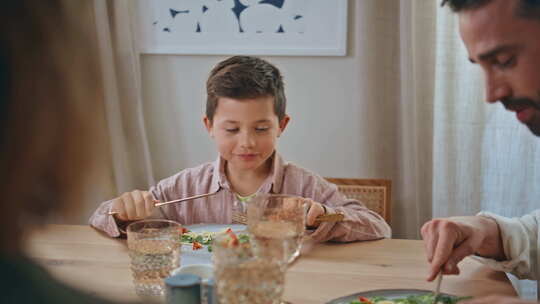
(48,93)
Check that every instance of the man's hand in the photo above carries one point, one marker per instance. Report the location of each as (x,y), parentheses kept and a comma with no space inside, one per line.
(449,240)
(135,205)
(495,299)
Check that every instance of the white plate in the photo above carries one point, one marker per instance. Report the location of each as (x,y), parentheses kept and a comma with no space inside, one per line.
(202,256)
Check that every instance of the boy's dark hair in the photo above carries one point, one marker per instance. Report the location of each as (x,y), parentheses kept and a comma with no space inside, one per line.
(526,8)
(243,77)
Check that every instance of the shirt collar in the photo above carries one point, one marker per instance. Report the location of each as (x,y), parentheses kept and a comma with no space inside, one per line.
(218,175)
(278,171)
(272,185)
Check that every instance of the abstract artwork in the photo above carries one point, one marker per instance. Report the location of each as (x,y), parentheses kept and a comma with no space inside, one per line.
(256,27)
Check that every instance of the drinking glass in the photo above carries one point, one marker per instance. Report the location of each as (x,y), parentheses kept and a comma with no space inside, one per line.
(154,248)
(242,278)
(277,224)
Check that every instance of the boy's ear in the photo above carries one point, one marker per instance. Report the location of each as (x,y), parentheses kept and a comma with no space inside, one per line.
(283,123)
(208,124)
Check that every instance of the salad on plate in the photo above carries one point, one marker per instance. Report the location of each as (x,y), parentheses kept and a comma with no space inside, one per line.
(197,241)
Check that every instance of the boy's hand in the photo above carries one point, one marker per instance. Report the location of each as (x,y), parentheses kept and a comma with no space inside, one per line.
(314,210)
(135,205)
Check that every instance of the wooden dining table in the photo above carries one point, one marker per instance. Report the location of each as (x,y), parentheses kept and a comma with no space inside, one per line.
(86,258)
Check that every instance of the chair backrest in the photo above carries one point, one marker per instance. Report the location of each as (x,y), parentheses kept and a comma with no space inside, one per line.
(374,193)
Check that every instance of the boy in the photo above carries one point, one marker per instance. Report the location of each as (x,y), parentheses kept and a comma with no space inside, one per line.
(245,115)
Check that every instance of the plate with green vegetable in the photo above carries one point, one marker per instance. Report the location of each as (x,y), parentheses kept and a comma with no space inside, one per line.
(197,241)
(397,296)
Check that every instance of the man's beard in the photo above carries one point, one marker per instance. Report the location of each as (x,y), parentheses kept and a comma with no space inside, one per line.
(513,103)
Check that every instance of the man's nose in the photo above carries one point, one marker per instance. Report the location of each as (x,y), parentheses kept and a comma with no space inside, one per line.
(496,90)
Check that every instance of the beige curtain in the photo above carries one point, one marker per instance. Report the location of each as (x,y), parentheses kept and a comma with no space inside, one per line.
(122,84)
(417,36)
(395,44)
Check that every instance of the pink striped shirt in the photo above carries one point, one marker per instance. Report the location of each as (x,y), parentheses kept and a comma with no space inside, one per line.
(359,223)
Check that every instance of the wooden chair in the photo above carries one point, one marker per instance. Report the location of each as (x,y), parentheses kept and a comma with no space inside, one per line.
(374,193)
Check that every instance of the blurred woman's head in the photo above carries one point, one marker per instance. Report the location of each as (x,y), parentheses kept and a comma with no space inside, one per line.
(48,90)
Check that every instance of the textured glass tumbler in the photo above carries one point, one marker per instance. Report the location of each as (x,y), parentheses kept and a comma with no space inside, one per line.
(241,278)
(277,225)
(154,248)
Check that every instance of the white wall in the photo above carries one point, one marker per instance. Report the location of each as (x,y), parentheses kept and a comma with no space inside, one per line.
(330,99)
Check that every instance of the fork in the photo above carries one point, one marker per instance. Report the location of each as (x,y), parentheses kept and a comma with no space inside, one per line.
(174,201)
(438,288)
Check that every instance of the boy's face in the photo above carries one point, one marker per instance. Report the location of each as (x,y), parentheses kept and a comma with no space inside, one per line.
(245,131)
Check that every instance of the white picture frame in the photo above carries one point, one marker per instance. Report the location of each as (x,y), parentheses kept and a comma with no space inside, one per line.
(306,27)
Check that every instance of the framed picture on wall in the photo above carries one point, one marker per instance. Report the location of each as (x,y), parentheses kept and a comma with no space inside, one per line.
(254,27)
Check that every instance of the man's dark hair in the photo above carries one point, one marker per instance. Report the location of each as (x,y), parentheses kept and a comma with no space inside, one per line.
(526,8)
(243,77)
